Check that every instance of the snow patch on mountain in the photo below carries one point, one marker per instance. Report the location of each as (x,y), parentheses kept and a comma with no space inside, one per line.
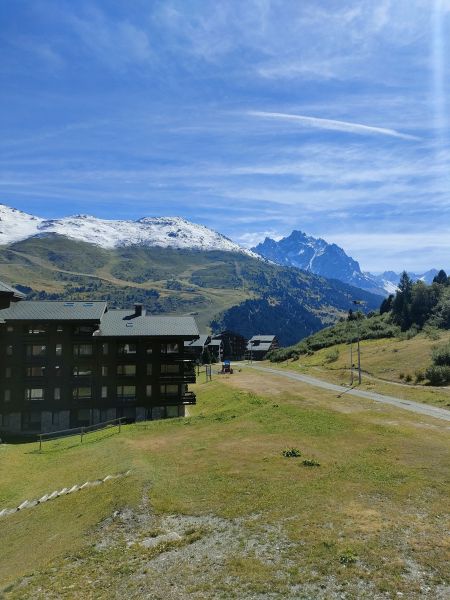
(167,232)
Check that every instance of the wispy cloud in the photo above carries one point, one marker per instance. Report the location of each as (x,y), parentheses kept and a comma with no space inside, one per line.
(332,125)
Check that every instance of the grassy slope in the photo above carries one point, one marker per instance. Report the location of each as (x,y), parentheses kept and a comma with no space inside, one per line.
(385,364)
(177,282)
(380,493)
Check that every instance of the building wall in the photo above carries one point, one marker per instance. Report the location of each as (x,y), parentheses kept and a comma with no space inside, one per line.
(65,373)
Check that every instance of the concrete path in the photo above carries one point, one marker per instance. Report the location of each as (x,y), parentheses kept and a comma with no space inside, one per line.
(422,409)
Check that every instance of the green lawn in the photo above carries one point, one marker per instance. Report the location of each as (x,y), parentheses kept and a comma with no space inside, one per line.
(213,510)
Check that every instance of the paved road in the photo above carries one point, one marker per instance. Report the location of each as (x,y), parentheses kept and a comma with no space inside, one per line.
(422,409)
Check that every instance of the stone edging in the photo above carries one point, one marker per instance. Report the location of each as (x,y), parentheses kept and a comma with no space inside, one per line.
(58,493)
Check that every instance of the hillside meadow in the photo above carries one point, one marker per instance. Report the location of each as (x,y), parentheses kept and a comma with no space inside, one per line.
(394,366)
(212,508)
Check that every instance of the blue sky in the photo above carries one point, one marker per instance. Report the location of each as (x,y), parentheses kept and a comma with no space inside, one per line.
(252,117)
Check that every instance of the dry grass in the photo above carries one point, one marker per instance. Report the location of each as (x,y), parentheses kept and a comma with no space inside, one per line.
(251,523)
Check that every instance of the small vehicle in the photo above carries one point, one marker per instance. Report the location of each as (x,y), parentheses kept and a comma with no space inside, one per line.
(226,367)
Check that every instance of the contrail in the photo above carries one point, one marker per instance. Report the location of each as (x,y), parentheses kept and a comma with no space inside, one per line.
(333,125)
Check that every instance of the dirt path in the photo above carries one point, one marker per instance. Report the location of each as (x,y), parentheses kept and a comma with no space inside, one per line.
(422,409)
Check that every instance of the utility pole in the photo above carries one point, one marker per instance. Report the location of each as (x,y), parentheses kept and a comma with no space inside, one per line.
(356,302)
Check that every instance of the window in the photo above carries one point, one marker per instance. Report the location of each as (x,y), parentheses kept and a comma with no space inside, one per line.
(126,392)
(165,369)
(169,390)
(126,348)
(58,370)
(7,396)
(104,391)
(58,349)
(84,417)
(82,350)
(55,418)
(84,330)
(9,328)
(37,330)
(9,350)
(128,370)
(148,391)
(149,368)
(33,350)
(170,348)
(149,350)
(59,328)
(104,349)
(104,371)
(35,371)
(171,411)
(82,371)
(8,372)
(81,393)
(31,421)
(57,394)
(34,394)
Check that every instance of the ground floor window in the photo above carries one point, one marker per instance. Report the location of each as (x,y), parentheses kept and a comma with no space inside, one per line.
(31,421)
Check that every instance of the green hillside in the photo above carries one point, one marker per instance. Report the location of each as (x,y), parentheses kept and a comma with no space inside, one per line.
(221,289)
(212,508)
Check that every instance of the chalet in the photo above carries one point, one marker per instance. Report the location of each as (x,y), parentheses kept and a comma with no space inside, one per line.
(234,345)
(71,364)
(215,348)
(259,345)
(195,348)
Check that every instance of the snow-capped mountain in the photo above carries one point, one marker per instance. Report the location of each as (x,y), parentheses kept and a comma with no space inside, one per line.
(319,257)
(329,260)
(173,232)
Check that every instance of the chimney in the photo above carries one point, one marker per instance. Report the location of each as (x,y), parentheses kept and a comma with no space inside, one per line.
(139,310)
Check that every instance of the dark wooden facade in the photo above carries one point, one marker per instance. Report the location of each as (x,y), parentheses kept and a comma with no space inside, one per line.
(62,373)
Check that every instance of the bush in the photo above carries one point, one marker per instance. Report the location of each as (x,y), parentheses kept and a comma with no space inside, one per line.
(438,374)
(441,356)
(408,378)
(310,462)
(419,375)
(291,452)
(348,557)
(332,355)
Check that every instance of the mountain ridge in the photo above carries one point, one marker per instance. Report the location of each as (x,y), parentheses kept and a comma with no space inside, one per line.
(315,255)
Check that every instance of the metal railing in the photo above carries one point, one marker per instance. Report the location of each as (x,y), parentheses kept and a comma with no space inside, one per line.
(81,431)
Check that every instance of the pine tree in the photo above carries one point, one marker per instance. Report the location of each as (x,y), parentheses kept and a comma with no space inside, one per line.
(441,278)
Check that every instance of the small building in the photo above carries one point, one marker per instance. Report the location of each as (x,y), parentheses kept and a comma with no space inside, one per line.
(215,348)
(259,345)
(195,348)
(234,345)
(73,364)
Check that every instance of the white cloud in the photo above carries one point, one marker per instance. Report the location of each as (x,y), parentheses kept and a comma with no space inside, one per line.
(333,125)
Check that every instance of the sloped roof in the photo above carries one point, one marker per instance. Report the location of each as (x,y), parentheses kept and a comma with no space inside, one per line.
(44,310)
(4,287)
(263,347)
(126,323)
(200,343)
(218,342)
(262,338)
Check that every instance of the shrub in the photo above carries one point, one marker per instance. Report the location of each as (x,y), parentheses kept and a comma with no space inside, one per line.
(419,375)
(408,377)
(332,355)
(441,356)
(348,557)
(438,374)
(291,452)
(310,462)
(401,375)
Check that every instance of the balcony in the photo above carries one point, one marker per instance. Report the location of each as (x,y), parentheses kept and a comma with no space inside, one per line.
(188,398)
(188,377)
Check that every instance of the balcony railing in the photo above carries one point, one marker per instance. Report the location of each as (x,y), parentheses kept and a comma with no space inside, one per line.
(188,398)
